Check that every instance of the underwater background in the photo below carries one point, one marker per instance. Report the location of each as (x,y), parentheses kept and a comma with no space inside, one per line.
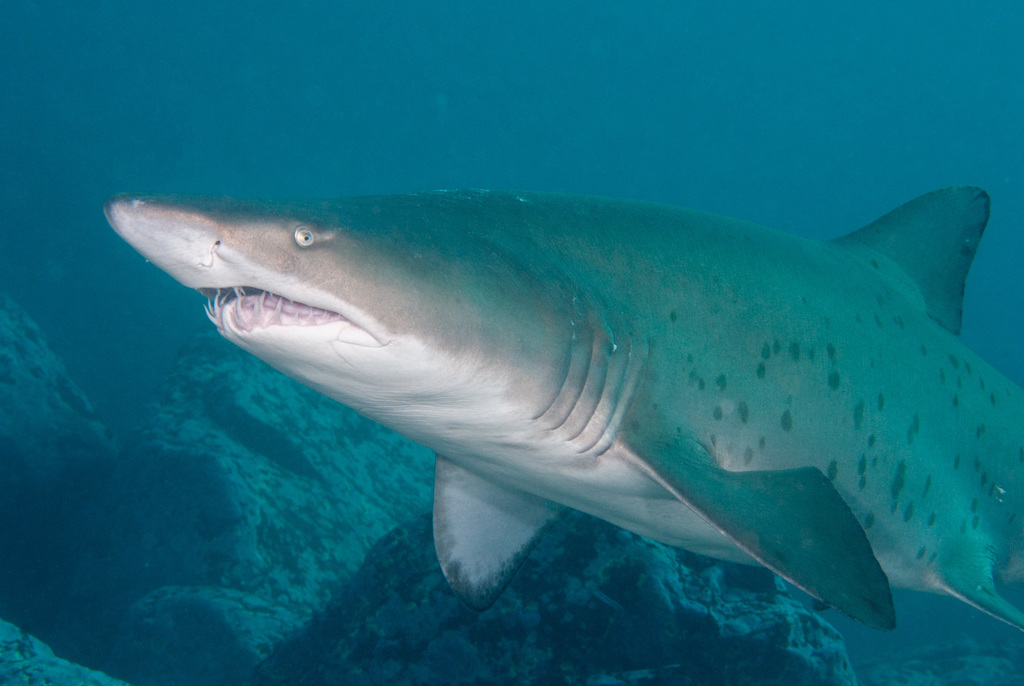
(813,118)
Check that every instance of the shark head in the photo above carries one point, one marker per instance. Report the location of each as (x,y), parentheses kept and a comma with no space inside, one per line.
(370,304)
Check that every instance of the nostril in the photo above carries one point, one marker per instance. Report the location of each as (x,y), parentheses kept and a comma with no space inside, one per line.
(209,257)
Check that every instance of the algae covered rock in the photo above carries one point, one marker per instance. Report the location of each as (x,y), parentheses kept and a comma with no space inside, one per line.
(963,663)
(593,604)
(28,661)
(240,479)
(54,455)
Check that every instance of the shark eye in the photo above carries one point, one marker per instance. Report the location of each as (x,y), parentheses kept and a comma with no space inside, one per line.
(303,236)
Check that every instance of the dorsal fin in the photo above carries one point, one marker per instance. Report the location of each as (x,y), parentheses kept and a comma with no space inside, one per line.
(933,239)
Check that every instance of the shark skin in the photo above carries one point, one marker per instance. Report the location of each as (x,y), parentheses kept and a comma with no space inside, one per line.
(703,381)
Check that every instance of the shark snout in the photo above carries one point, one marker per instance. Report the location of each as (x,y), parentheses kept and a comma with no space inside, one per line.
(181,242)
(117,210)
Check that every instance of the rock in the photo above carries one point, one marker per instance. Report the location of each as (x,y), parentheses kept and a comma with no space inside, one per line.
(963,663)
(197,635)
(593,604)
(28,661)
(240,479)
(54,454)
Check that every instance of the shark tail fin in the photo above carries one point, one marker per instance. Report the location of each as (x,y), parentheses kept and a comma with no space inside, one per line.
(932,239)
(967,575)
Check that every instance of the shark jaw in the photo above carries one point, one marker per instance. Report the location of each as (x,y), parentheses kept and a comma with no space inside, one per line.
(239,311)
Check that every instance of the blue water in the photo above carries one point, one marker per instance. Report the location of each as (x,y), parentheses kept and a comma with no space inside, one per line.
(811,117)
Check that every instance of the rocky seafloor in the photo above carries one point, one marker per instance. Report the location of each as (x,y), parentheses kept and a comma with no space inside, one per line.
(250,531)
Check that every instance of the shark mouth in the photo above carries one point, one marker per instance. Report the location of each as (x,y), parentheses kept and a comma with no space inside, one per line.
(247,309)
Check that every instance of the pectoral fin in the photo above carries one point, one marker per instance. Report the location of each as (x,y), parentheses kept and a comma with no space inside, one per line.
(792,521)
(483,532)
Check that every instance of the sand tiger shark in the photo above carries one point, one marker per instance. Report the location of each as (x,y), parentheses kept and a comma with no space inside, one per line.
(706,382)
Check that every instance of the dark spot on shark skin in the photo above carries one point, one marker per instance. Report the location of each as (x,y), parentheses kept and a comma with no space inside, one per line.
(959,383)
(810,354)
(878,320)
(924,350)
(862,465)
(830,350)
(833,380)
(981,382)
(956,400)
(942,375)
(908,512)
(874,263)
(992,489)
(717,414)
(977,464)
(984,479)
(974,505)
(744,411)
(693,377)
(862,482)
(881,402)
(700,383)
(963,526)
(915,428)
(833,470)
(927,487)
(748,456)
(899,480)
(761,369)
(858,415)
(932,558)
(1020,455)
(979,431)
(766,351)
(956,462)
(871,441)
(954,361)
(974,522)
(992,399)
(895,506)
(776,346)
(714,441)
(794,351)
(760,443)
(967,366)
(921,552)
(673,316)
(869,520)
(1011,518)
(880,300)
(859,319)
(720,382)
(931,519)
(689,359)
(787,420)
